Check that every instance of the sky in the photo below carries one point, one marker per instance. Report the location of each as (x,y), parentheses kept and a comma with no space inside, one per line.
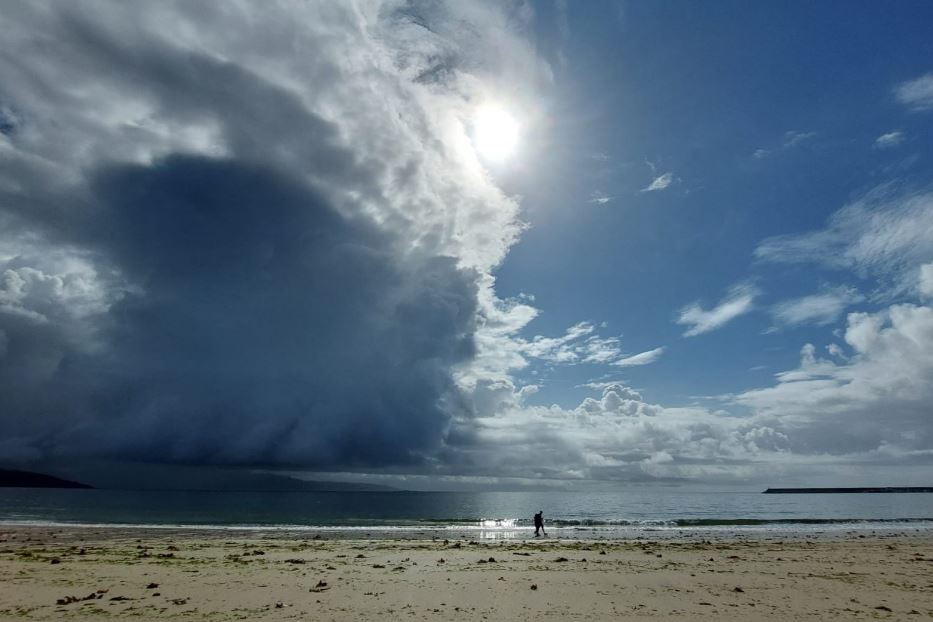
(469,244)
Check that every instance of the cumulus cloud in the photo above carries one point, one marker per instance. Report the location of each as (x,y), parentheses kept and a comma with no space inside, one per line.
(250,235)
(876,396)
(916,94)
(860,416)
(853,417)
(820,309)
(866,404)
(660,182)
(885,234)
(891,139)
(739,301)
(617,436)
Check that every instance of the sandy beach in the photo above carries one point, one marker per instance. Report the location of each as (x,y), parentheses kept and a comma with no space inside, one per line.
(98,574)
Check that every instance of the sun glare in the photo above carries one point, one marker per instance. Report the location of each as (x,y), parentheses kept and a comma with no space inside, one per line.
(495,133)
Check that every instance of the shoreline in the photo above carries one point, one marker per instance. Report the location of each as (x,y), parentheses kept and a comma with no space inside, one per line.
(105,574)
(761,530)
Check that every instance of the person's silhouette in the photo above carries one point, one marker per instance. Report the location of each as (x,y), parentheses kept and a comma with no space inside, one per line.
(539,523)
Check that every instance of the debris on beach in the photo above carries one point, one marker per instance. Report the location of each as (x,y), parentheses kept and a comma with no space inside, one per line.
(67,600)
(320,587)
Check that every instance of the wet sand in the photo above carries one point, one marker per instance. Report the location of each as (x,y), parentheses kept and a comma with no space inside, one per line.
(104,574)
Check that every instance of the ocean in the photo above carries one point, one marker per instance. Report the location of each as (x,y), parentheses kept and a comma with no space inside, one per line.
(631,513)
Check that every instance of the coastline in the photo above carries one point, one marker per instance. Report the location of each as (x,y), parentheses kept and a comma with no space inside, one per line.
(509,530)
(96,573)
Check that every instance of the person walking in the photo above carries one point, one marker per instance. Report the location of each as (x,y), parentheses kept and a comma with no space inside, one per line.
(539,523)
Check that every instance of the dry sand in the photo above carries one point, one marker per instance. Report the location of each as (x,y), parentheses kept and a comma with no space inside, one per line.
(90,574)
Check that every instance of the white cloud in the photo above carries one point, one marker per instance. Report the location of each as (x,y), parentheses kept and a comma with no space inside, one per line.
(926,280)
(739,301)
(618,436)
(820,309)
(642,358)
(659,183)
(601,199)
(891,139)
(861,417)
(885,234)
(429,181)
(600,349)
(793,137)
(878,396)
(564,349)
(581,344)
(916,94)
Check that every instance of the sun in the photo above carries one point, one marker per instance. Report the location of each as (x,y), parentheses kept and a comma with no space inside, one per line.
(495,133)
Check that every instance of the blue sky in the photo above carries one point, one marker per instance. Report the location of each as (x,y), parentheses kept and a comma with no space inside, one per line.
(643,89)
(470,244)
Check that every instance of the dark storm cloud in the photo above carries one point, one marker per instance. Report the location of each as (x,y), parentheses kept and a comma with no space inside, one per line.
(262,328)
(225,249)
(249,235)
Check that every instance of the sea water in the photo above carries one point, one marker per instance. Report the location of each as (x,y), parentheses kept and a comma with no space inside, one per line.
(628,513)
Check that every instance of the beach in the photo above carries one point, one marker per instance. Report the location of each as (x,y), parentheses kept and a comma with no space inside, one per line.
(112,573)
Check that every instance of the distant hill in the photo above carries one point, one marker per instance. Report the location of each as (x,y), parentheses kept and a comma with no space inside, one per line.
(144,477)
(255,482)
(11,478)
